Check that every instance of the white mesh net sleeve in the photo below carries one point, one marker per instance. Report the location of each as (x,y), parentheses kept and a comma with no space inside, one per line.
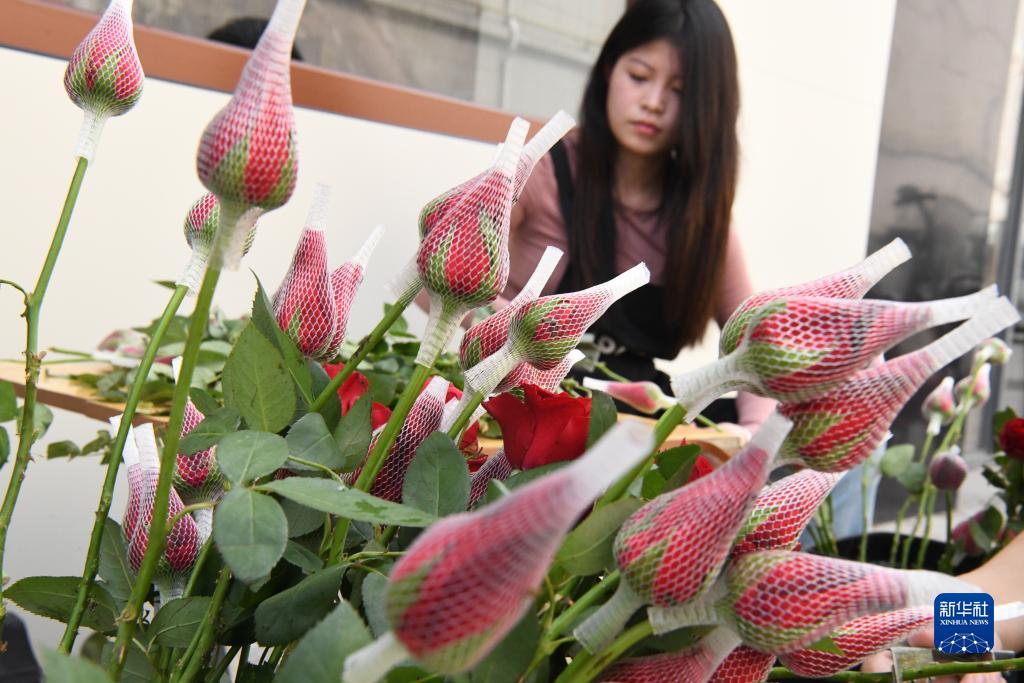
(695,664)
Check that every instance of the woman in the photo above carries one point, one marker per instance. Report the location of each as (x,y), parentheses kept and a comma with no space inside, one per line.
(649,175)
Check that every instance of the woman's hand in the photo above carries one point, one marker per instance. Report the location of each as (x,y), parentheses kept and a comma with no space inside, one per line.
(882,661)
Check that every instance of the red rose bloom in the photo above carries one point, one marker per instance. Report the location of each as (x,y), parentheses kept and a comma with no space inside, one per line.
(542,429)
(1011,438)
(352,389)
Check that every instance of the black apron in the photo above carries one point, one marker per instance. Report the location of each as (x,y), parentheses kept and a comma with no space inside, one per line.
(632,332)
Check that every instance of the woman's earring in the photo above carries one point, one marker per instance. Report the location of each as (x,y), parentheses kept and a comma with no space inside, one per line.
(673,153)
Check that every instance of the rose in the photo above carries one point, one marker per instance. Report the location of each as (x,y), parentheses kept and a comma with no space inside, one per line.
(353,389)
(542,428)
(948,470)
(1011,438)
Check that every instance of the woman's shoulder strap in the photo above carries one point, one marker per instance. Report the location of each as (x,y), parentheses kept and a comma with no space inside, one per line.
(563,177)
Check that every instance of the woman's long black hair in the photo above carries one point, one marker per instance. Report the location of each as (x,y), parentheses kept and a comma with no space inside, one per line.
(700,179)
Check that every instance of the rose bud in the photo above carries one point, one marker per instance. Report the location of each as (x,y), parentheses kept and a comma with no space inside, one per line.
(542,428)
(667,563)
(830,592)
(179,555)
(247,155)
(423,420)
(197,476)
(1011,438)
(939,408)
(446,603)
(799,348)
(994,351)
(646,397)
(841,428)
(463,257)
(695,664)
(948,470)
(104,75)
(858,640)
(545,330)
(976,387)
(852,283)
(201,223)
(497,468)
(312,304)
(744,665)
(782,511)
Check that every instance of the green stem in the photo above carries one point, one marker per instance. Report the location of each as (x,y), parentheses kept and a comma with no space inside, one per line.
(222,665)
(585,667)
(27,433)
(934,670)
(668,421)
(549,641)
(317,466)
(611,374)
(865,494)
(204,552)
(392,314)
(374,462)
(926,537)
(946,561)
(204,636)
(158,526)
(463,419)
(895,549)
(92,557)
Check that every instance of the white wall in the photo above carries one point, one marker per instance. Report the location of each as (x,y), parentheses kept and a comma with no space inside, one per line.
(812,73)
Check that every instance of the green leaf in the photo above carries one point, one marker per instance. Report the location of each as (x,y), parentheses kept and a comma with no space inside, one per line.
(437,481)
(327,496)
(178,620)
(826,644)
(653,485)
(137,667)
(294,362)
(214,427)
(375,588)
(331,411)
(354,433)
(603,416)
(913,477)
(244,456)
(896,460)
(257,384)
(54,597)
(62,449)
(302,557)
(320,655)
(587,549)
(59,668)
(8,402)
(992,521)
(250,531)
(512,656)
(204,403)
(310,439)
(383,386)
(285,617)
(978,535)
(42,418)
(255,673)
(679,462)
(301,519)
(5,446)
(114,568)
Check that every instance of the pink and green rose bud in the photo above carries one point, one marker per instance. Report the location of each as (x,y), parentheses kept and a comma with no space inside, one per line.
(143,469)
(104,75)
(852,283)
(696,664)
(781,512)
(423,420)
(976,387)
(840,429)
(201,224)
(647,397)
(948,470)
(939,407)
(831,593)
(447,605)
(799,348)
(994,351)
(247,155)
(312,304)
(667,563)
(197,476)
(744,665)
(857,640)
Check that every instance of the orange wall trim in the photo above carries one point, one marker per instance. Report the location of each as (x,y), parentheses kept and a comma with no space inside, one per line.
(55,30)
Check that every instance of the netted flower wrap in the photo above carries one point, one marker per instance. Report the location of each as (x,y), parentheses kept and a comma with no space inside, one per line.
(407,283)
(840,429)
(857,640)
(247,155)
(695,664)
(780,601)
(312,304)
(197,477)
(798,348)
(646,397)
(852,283)
(467,579)
(201,223)
(104,75)
(142,465)
(550,379)
(496,468)
(672,549)
(744,665)
(423,420)
(545,330)
(782,511)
